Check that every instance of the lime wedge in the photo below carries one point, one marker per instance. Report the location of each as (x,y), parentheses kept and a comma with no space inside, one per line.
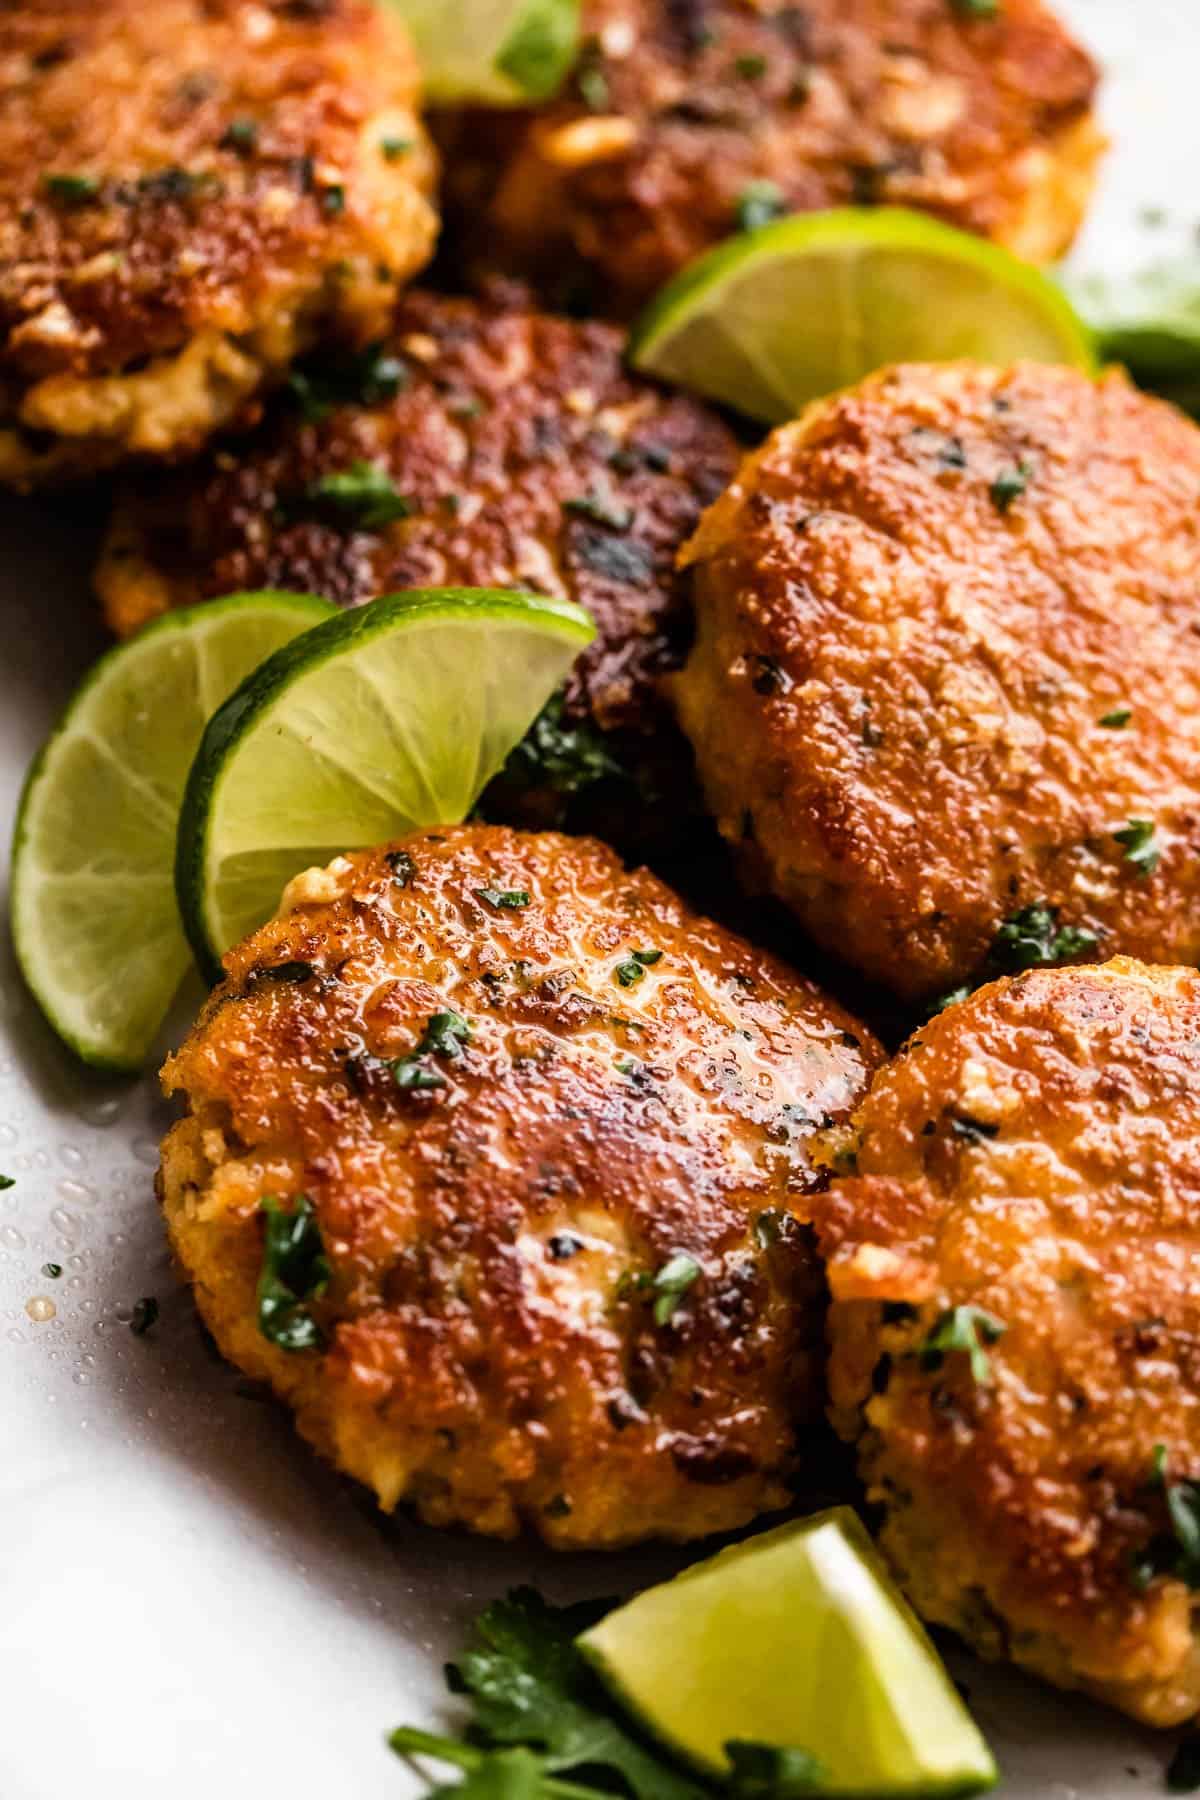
(796,1639)
(779,316)
(379,721)
(507,52)
(94,920)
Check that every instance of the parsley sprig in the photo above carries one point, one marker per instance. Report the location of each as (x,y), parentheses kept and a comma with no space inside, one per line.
(966,1329)
(445,1035)
(542,1728)
(295,1270)
(1175,1553)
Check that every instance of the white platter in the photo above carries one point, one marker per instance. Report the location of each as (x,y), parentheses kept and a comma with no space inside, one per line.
(189,1604)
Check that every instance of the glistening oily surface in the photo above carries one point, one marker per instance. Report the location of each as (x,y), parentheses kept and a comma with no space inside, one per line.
(164,1540)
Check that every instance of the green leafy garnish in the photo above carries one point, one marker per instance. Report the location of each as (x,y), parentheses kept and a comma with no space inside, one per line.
(444,1036)
(52,1271)
(1010,484)
(750,68)
(1175,1553)
(1148,322)
(362,495)
(1033,939)
(294,1271)
(961,1329)
(240,135)
(393,148)
(511,898)
(71,190)
(1142,850)
(671,1284)
(977,9)
(1118,718)
(530,1690)
(758,204)
(289,974)
(565,755)
(6,1181)
(761,1772)
(365,378)
(630,972)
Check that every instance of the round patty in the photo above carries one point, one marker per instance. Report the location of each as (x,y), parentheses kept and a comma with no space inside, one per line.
(687,118)
(554,1130)
(1015,1326)
(945,693)
(189,190)
(517,452)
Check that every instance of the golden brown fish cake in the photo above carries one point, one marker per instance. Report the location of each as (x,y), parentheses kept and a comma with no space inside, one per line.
(525,455)
(1034,1153)
(571,1285)
(189,190)
(679,110)
(946,678)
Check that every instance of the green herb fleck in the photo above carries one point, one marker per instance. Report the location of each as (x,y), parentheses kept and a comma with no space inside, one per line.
(1010,484)
(977,9)
(603,508)
(512,898)
(144,1315)
(1118,718)
(6,1181)
(758,204)
(630,972)
(1033,939)
(1142,851)
(750,68)
(671,1284)
(333,199)
(52,1271)
(289,973)
(367,378)
(363,495)
(393,148)
(965,1328)
(763,1772)
(1175,1553)
(444,1036)
(71,190)
(294,1271)
(240,135)
(591,79)
(402,866)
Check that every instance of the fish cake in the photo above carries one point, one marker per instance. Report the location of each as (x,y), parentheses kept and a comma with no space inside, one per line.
(944,695)
(685,119)
(554,1131)
(1015,1326)
(190,192)
(517,452)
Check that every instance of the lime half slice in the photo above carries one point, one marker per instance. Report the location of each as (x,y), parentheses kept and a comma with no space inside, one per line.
(779,316)
(796,1639)
(381,720)
(94,920)
(508,52)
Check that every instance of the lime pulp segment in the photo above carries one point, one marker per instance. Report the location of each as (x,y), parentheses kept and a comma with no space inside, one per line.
(508,52)
(777,317)
(798,1639)
(94,919)
(380,721)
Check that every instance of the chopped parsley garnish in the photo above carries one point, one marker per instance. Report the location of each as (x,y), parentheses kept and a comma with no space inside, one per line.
(750,68)
(511,898)
(144,1315)
(539,1716)
(393,148)
(590,78)
(671,1284)
(294,1271)
(333,199)
(6,1181)
(52,1271)
(364,495)
(1010,484)
(1175,1553)
(1118,718)
(762,1772)
(367,378)
(966,1329)
(444,1036)
(1033,939)
(402,866)
(758,204)
(565,755)
(977,9)
(289,973)
(1142,851)
(71,190)
(630,972)
(240,135)
(602,508)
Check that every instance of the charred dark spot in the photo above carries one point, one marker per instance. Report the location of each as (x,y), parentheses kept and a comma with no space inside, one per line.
(616,558)
(709,1462)
(624,1411)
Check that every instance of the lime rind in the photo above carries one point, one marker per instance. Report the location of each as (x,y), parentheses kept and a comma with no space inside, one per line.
(796,1638)
(95,927)
(376,723)
(776,317)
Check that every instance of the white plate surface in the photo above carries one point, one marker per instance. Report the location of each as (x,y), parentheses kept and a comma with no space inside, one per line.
(189,1604)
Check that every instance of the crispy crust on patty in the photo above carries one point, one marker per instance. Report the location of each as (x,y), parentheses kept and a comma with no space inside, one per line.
(917,607)
(530,458)
(187,190)
(493,1353)
(677,109)
(1035,1152)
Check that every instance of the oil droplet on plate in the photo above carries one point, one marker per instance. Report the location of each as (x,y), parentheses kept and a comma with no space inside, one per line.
(11,1238)
(41,1308)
